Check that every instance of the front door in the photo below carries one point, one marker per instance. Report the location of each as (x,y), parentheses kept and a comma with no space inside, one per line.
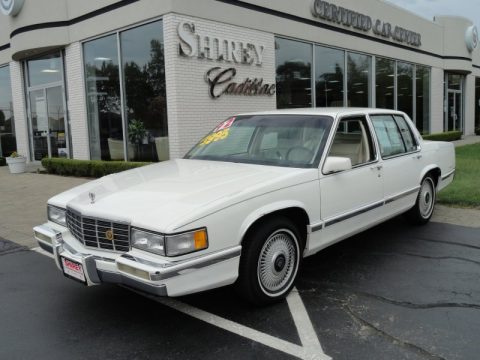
(47,114)
(352,198)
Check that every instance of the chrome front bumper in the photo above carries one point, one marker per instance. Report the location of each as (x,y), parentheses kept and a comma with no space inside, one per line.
(132,270)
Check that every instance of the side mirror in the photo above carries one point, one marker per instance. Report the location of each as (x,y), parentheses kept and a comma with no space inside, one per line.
(335,164)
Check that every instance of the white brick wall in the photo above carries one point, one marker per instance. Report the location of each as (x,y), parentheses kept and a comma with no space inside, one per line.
(436,93)
(19,109)
(191,111)
(469,117)
(77,108)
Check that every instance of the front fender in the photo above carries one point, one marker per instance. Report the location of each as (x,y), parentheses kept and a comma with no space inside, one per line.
(265,210)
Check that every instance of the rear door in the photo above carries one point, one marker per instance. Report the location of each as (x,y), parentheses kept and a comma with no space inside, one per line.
(402,161)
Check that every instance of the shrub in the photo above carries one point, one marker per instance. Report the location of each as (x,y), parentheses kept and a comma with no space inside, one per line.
(3,162)
(87,168)
(445,136)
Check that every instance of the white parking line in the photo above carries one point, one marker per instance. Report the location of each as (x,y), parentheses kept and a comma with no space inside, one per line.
(305,329)
(309,350)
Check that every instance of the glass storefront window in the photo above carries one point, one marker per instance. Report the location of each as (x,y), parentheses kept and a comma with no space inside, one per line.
(294,73)
(103,99)
(405,88)
(477,106)
(423,99)
(8,142)
(141,127)
(329,73)
(385,83)
(358,77)
(45,69)
(146,106)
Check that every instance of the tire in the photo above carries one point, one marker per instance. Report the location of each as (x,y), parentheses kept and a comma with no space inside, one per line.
(270,260)
(421,213)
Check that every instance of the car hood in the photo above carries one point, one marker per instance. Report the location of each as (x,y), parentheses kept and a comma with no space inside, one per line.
(167,195)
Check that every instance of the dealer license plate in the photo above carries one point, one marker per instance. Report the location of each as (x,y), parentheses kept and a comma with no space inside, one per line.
(73,270)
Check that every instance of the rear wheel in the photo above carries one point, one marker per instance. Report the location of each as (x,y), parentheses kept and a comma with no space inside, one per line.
(271,257)
(421,213)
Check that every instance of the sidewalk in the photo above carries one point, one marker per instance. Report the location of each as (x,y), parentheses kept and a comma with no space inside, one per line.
(24,197)
(23,204)
(468,140)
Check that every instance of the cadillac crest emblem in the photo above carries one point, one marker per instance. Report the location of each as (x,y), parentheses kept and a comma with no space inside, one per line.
(91,195)
(109,234)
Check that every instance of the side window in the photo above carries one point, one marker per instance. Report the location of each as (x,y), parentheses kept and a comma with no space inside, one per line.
(353,140)
(407,135)
(389,135)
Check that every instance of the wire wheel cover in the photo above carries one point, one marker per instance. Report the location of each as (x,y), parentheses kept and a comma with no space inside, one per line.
(278,261)
(427,198)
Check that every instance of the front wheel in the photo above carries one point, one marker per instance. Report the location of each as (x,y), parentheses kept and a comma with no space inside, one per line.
(271,257)
(421,213)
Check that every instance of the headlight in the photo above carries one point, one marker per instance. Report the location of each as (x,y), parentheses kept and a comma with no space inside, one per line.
(170,245)
(57,215)
(148,241)
(185,243)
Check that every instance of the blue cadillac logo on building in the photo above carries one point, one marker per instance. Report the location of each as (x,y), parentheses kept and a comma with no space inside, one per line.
(11,7)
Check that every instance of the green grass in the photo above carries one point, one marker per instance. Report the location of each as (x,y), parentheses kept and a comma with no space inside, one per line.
(465,189)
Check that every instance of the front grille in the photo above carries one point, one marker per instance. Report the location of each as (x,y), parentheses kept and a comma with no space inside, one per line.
(92,232)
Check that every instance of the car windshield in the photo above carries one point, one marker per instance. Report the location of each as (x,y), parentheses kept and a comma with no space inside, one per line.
(277,140)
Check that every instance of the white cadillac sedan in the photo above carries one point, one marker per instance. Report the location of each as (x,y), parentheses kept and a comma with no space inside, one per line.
(247,203)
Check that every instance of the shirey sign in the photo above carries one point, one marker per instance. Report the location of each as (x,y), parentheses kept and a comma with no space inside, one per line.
(11,7)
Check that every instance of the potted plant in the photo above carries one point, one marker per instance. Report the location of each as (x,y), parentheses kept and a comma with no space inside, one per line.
(16,163)
(136,133)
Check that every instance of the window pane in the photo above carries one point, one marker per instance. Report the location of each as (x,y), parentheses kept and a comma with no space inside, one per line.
(405,88)
(423,99)
(455,82)
(407,135)
(388,135)
(8,142)
(144,73)
(294,73)
(353,140)
(329,73)
(44,70)
(477,104)
(385,83)
(103,99)
(359,69)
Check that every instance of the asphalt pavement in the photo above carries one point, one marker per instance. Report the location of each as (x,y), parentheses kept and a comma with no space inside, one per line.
(393,292)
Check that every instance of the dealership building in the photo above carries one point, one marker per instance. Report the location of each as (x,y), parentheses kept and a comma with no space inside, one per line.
(145,79)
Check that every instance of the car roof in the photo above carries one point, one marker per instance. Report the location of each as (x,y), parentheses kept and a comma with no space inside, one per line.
(331,111)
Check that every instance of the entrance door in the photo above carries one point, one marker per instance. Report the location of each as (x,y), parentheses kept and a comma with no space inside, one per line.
(454,85)
(46,107)
(454,109)
(47,114)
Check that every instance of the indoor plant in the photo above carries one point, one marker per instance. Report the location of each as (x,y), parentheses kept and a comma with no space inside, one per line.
(16,163)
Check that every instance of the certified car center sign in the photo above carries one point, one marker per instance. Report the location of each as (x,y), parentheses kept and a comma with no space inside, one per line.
(11,7)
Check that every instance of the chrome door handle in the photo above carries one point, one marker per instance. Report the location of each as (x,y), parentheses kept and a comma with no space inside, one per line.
(376,167)
(418,157)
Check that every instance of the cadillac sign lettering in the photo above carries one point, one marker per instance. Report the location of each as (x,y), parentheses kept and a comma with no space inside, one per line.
(221,81)
(342,16)
(11,7)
